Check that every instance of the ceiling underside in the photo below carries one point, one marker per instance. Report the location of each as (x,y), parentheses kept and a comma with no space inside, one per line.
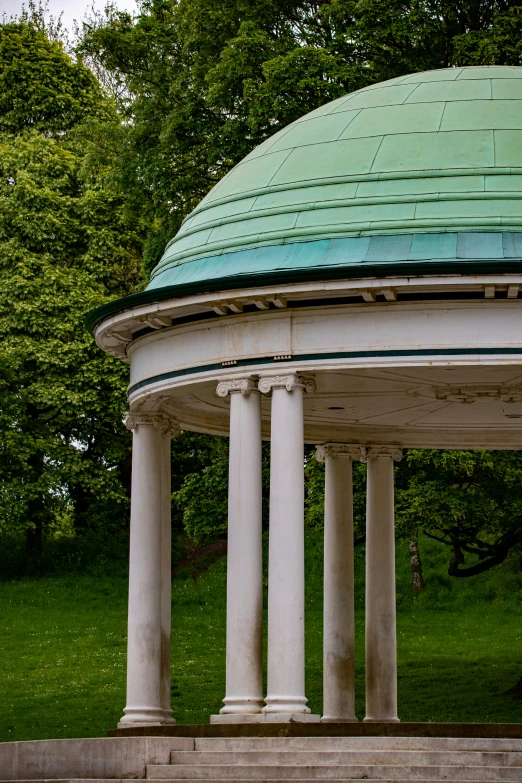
(439,407)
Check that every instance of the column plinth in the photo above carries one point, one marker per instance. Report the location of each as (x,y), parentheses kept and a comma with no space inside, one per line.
(286,673)
(381,635)
(339,623)
(148,644)
(244,655)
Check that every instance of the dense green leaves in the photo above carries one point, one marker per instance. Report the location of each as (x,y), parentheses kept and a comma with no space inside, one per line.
(87,181)
(469,500)
(66,246)
(41,88)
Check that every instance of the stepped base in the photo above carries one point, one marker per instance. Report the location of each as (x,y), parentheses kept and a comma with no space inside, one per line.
(257,759)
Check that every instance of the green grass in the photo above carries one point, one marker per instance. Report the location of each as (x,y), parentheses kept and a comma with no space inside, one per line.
(62,646)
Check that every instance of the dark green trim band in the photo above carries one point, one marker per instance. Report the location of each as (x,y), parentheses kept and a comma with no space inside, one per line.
(357,271)
(310,357)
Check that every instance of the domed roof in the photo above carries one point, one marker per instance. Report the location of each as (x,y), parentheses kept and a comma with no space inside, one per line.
(423,168)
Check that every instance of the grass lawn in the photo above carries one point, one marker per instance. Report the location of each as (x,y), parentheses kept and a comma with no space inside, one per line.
(62,647)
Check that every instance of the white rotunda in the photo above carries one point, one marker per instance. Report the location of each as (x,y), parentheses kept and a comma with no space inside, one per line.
(354,284)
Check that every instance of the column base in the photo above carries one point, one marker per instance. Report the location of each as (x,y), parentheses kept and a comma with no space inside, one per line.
(143,716)
(339,720)
(242,706)
(381,720)
(268,717)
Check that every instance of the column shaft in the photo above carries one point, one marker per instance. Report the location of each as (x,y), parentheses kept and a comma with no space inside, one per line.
(244,658)
(381,637)
(166,577)
(286,674)
(339,630)
(144,628)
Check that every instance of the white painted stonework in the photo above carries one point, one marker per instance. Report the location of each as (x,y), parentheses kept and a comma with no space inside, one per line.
(148,644)
(386,372)
(244,666)
(361,368)
(339,621)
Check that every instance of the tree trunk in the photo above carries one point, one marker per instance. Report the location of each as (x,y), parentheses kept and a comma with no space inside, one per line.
(415,561)
(35,504)
(34,534)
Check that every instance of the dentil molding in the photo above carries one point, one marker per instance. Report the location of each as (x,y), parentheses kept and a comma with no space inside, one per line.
(289,382)
(159,421)
(244,385)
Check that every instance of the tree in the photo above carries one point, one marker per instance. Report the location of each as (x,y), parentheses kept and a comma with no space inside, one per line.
(470,501)
(66,246)
(41,88)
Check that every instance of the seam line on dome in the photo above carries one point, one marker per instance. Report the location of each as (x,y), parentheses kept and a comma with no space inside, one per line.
(442,117)
(415,87)
(357,112)
(376,153)
(356,201)
(363,177)
(282,162)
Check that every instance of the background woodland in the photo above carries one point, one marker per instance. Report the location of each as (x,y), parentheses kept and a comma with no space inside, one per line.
(109,137)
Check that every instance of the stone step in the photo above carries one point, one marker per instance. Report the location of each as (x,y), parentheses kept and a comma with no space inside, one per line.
(66,780)
(301,780)
(356,743)
(312,757)
(332,771)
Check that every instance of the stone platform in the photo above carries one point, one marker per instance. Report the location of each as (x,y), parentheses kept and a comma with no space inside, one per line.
(295,729)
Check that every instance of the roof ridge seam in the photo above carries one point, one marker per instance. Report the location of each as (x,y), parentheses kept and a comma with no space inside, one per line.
(406,225)
(354,201)
(361,177)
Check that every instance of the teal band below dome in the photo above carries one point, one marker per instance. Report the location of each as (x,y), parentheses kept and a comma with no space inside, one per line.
(361,257)
(358,256)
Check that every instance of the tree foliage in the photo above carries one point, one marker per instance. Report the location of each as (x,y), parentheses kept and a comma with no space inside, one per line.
(95,169)
(471,501)
(66,245)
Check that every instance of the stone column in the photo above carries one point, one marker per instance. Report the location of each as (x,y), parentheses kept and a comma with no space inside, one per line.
(339,624)
(244,661)
(381,636)
(286,674)
(147,702)
(166,571)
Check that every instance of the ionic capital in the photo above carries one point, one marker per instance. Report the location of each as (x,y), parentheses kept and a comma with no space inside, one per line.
(289,382)
(243,385)
(372,452)
(159,421)
(338,450)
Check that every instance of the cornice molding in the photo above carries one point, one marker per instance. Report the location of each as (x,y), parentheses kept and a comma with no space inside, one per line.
(326,451)
(289,382)
(159,421)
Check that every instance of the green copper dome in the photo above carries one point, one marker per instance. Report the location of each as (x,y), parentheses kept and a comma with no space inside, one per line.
(419,170)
